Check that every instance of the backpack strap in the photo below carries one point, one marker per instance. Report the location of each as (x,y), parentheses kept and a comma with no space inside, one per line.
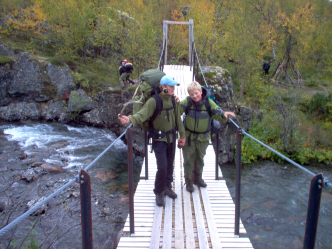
(159,108)
(208,109)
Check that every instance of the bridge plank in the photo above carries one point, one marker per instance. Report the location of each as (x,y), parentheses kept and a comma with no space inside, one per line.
(155,235)
(202,239)
(179,238)
(189,229)
(167,237)
(215,241)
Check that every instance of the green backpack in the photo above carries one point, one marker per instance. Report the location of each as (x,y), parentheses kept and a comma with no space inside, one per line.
(150,82)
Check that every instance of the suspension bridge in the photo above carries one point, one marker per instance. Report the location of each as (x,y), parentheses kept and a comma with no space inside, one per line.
(202,219)
(206,218)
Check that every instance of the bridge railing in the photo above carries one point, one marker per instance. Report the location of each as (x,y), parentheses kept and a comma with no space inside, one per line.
(85,195)
(316,185)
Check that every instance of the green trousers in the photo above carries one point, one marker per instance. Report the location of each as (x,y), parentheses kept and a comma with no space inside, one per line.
(193,155)
(124,77)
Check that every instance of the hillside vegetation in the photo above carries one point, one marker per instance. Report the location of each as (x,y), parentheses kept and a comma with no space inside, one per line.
(293,102)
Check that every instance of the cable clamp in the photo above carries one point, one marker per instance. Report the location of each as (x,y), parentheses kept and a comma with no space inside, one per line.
(326,182)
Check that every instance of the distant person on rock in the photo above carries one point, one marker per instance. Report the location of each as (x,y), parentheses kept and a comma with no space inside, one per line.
(125,70)
(163,132)
(266,67)
(199,110)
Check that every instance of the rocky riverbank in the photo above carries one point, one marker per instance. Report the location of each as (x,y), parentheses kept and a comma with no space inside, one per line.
(27,177)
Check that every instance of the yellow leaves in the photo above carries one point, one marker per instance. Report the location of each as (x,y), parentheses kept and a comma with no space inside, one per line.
(26,20)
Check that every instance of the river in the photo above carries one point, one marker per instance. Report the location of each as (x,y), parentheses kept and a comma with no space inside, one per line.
(274,200)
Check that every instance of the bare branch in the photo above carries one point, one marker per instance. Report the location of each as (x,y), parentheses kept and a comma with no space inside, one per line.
(132,101)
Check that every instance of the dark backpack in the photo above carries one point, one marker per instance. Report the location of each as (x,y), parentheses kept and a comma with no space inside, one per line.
(129,66)
(149,87)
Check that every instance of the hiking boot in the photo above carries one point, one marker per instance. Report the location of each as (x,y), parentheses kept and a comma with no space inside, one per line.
(189,186)
(160,199)
(170,193)
(199,182)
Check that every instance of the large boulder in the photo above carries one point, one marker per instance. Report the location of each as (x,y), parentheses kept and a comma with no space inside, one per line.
(54,111)
(80,102)
(110,104)
(20,111)
(220,80)
(61,79)
(26,82)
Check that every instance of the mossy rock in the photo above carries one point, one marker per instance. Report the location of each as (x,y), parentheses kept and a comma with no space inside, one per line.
(49,89)
(4,60)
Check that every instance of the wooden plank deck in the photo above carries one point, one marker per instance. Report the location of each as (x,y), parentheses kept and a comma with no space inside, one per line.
(203,219)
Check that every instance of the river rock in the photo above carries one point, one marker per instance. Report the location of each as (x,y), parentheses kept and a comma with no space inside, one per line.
(34,202)
(59,145)
(29,175)
(124,200)
(52,168)
(80,102)
(5,203)
(105,175)
(20,111)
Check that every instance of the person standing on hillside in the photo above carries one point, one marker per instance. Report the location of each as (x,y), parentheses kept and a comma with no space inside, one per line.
(163,132)
(125,70)
(199,109)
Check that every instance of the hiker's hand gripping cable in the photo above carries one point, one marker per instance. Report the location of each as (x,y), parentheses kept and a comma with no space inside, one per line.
(124,119)
(227,114)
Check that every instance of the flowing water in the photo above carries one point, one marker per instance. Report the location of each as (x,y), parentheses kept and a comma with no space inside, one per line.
(70,147)
(274,200)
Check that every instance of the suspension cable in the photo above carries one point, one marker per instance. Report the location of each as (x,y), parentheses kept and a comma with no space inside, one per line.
(15,222)
(199,65)
(161,55)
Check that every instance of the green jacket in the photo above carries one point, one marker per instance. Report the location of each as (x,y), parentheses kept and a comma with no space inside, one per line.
(199,121)
(161,122)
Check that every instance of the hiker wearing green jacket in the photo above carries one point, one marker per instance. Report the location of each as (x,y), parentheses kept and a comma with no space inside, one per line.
(197,126)
(163,133)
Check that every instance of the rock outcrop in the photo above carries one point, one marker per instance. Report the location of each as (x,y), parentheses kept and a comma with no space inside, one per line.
(221,82)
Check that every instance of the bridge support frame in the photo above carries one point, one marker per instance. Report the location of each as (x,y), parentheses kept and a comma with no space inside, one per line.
(86,214)
(315,194)
(191,37)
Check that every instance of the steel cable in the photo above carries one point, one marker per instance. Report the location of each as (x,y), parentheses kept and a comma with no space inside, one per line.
(15,222)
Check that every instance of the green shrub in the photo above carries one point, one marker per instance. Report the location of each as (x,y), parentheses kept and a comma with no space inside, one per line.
(312,143)
(62,60)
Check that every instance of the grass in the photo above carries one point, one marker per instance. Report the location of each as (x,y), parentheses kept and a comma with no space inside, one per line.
(4,60)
